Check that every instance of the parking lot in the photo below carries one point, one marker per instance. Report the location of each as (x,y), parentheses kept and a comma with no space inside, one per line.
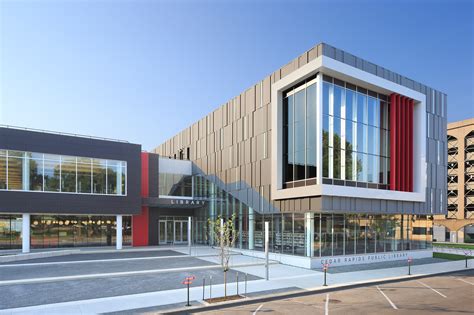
(453,293)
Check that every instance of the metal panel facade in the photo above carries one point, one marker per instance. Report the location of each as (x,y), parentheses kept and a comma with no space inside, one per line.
(71,203)
(248,115)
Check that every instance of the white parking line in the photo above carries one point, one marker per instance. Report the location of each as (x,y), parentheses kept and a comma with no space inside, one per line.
(258,309)
(427,286)
(386,297)
(468,282)
(326,306)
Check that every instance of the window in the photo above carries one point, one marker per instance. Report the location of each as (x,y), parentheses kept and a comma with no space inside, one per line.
(356,137)
(99,176)
(3,169)
(68,174)
(35,161)
(31,171)
(84,175)
(51,172)
(15,170)
(299,134)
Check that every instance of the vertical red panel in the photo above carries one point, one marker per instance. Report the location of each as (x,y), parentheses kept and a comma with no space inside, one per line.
(406,133)
(140,228)
(393,141)
(398,144)
(402,142)
(140,222)
(410,146)
(407,144)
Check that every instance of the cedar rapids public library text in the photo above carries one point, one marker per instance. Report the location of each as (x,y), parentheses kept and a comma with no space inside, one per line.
(344,158)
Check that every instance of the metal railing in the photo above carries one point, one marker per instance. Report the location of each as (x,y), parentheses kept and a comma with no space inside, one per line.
(61,133)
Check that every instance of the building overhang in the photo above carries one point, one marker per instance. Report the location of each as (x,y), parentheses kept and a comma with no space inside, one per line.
(332,67)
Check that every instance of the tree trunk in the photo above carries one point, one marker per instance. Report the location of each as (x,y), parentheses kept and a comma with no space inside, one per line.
(225,283)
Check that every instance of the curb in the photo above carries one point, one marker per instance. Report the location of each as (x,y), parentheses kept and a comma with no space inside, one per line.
(302,292)
(28,256)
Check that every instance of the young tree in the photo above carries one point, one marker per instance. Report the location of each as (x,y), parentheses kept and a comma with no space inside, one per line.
(225,235)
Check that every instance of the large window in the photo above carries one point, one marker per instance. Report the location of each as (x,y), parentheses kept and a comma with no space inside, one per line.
(51,231)
(3,169)
(176,185)
(356,137)
(30,171)
(299,134)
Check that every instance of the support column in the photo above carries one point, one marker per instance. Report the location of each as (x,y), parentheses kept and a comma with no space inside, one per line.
(118,230)
(240,224)
(309,223)
(267,241)
(189,234)
(251,228)
(25,233)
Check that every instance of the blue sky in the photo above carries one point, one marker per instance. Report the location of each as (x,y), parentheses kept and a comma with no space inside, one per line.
(144,70)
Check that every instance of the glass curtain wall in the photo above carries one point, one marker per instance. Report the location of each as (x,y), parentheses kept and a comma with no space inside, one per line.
(177,185)
(51,231)
(10,231)
(30,171)
(299,134)
(334,234)
(355,136)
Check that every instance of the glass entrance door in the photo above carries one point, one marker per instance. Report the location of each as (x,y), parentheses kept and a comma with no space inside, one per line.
(162,229)
(180,232)
(172,231)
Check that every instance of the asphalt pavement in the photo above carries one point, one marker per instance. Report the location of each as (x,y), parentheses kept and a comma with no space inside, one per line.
(450,293)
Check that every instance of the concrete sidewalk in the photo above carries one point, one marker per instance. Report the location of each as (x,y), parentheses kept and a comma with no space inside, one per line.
(282,278)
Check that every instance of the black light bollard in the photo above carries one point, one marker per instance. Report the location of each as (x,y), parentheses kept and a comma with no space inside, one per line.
(466,254)
(325,268)
(203,287)
(188,281)
(409,265)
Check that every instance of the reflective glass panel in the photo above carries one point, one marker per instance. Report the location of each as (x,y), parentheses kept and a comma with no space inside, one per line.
(52,169)
(338,98)
(36,174)
(361,108)
(84,178)
(68,174)
(113,178)
(311,131)
(350,103)
(99,176)
(15,172)
(326,87)
(3,172)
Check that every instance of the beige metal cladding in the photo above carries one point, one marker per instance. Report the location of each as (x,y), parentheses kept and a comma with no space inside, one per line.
(233,144)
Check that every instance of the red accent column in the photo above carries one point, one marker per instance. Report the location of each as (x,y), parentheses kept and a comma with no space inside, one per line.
(140,222)
(398,144)
(407,145)
(393,140)
(410,146)
(403,144)
(140,228)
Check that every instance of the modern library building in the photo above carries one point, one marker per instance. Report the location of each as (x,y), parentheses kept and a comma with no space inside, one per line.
(345,159)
